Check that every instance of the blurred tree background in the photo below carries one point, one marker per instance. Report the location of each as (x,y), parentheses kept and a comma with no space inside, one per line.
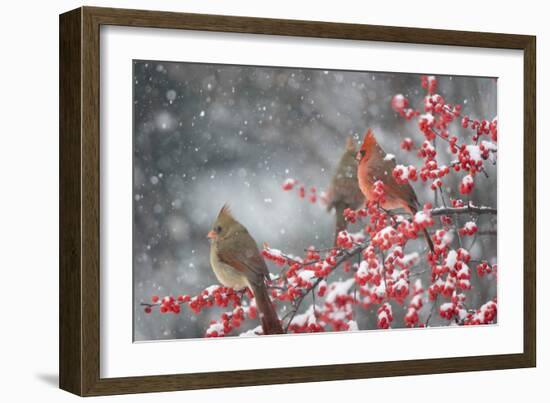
(208,134)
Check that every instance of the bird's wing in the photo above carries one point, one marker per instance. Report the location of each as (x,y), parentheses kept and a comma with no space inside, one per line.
(344,188)
(383,166)
(243,257)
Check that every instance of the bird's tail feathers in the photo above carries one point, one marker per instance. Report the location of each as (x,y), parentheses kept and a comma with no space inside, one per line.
(268,316)
(429,240)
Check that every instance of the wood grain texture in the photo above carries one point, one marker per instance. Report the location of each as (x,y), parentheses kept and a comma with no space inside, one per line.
(80,200)
(70,271)
(530,202)
(90,202)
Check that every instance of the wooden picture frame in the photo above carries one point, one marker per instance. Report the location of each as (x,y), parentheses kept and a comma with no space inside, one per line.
(80,187)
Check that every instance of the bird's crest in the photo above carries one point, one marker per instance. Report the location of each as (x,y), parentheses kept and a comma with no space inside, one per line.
(350,144)
(369,140)
(225,211)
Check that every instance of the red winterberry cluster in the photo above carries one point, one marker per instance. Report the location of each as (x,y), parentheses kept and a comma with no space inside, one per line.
(454,308)
(407,144)
(384,316)
(275,255)
(415,304)
(378,192)
(347,240)
(400,105)
(370,269)
(482,128)
(466,185)
(308,322)
(403,174)
(435,122)
(484,268)
(429,83)
(451,274)
(230,320)
(167,304)
(469,229)
(484,315)
(351,216)
(212,296)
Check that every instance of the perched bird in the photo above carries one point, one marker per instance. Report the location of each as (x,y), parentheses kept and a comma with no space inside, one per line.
(376,165)
(344,191)
(237,263)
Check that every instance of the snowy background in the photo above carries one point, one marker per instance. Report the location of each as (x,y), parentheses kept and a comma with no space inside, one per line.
(205,135)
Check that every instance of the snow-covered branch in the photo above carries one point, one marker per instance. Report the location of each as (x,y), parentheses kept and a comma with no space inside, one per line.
(469,209)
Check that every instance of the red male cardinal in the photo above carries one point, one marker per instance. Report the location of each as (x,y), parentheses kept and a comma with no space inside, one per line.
(237,263)
(344,192)
(375,165)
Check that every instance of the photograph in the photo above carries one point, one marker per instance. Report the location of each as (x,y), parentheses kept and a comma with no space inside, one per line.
(273,200)
(238,201)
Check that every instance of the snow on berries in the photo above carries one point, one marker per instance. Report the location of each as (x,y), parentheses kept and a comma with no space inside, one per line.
(486,314)
(387,237)
(427,151)
(347,240)
(275,255)
(447,310)
(385,316)
(466,185)
(423,219)
(469,229)
(216,329)
(289,184)
(415,304)
(404,174)
(452,275)
(399,102)
(426,124)
(429,83)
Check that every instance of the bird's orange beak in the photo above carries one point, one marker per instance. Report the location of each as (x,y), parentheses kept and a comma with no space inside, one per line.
(211,235)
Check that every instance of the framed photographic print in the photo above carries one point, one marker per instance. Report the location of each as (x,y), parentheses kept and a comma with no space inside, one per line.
(250,201)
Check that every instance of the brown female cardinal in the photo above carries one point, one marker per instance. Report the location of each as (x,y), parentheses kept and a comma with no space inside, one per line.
(344,192)
(237,263)
(376,165)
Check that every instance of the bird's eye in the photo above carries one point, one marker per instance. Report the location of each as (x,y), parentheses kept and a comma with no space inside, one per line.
(363,152)
(218,229)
